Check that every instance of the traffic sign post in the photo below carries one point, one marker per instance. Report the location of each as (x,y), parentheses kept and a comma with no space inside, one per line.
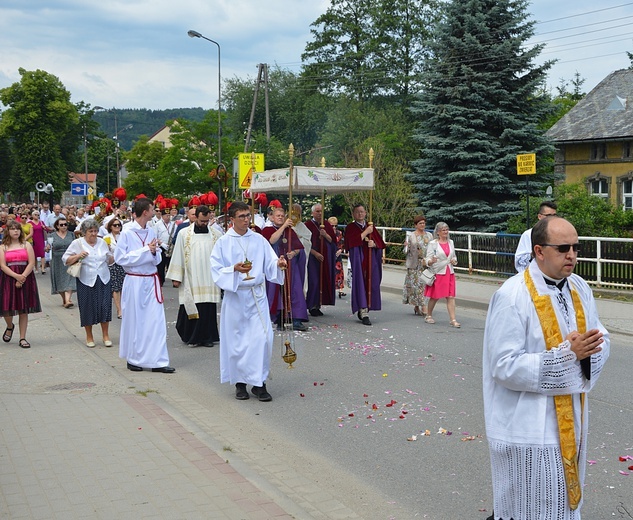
(79,189)
(246,168)
(526,165)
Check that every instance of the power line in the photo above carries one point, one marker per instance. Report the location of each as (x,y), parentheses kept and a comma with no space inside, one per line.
(584,14)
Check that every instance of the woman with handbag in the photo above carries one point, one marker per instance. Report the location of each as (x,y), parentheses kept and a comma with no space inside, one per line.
(415,247)
(441,258)
(94,295)
(18,287)
(61,282)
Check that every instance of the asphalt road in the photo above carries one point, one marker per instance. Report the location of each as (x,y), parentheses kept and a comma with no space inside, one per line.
(389,418)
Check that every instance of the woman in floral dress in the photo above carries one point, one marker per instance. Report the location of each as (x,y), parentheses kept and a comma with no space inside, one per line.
(415,248)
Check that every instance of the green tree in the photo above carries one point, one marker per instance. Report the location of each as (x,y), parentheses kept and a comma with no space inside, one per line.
(341,55)
(40,123)
(564,100)
(478,110)
(143,161)
(369,49)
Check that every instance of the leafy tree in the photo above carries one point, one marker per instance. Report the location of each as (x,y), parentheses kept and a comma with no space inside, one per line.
(478,110)
(40,123)
(143,161)
(340,56)
(402,29)
(296,114)
(369,49)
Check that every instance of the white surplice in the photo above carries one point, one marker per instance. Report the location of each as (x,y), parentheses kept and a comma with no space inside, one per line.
(190,266)
(143,338)
(520,378)
(246,334)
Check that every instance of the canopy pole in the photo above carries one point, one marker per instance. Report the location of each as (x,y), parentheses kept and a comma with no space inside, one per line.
(371,209)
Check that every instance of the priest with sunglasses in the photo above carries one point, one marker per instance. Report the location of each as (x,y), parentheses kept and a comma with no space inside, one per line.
(544,350)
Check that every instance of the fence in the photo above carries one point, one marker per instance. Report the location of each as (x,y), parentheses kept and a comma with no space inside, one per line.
(603,262)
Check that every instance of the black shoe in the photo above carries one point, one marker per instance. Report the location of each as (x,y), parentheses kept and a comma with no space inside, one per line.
(261,393)
(298,326)
(241,393)
(316,312)
(134,368)
(366,321)
(164,370)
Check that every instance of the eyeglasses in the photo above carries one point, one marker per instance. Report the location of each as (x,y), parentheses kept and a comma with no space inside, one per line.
(243,217)
(116,225)
(62,225)
(563,248)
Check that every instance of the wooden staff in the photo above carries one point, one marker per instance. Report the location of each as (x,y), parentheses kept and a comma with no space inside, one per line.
(370,223)
(322,226)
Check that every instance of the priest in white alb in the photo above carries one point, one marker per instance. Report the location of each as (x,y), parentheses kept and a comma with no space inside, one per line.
(544,350)
(246,333)
(190,272)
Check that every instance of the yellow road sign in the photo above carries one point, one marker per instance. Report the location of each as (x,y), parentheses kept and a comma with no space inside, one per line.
(526,164)
(245,168)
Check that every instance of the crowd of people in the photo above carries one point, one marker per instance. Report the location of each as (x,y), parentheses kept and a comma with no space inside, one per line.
(544,345)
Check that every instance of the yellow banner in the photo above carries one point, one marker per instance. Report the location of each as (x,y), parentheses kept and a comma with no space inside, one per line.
(526,164)
(245,169)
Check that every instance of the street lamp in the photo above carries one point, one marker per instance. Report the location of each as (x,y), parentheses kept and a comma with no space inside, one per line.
(116,138)
(196,34)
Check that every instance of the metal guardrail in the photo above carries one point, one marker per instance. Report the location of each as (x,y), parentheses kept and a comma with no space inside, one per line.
(604,262)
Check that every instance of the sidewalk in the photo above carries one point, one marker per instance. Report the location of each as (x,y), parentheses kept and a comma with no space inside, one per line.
(83,438)
(79,440)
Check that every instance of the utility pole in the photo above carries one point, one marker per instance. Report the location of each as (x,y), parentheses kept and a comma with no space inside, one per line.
(262,77)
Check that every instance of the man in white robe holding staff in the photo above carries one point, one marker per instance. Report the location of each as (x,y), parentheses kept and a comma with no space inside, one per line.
(143,338)
(544,349)
(246,333)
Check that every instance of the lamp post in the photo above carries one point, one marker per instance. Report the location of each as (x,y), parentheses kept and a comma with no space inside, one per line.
(116,139)
(196,34)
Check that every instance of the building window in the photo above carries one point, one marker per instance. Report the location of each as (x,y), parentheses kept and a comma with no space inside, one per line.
(627,195)
(598,151)
(600,188)
(627,151)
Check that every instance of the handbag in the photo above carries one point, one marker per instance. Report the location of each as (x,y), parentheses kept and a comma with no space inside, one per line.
(427,276)
(74,269)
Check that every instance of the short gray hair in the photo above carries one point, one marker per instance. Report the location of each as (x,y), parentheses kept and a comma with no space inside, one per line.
(439,226)
(89,224)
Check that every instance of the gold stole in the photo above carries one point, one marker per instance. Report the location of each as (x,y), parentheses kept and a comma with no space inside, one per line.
(564,406)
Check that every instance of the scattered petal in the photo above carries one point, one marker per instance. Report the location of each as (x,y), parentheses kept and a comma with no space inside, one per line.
(591,462)
(302,395)
(384,375)
(412,438)
(624,472)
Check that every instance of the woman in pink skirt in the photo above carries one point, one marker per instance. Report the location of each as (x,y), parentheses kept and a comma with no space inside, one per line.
(39,239)
(440,257)
(18,287)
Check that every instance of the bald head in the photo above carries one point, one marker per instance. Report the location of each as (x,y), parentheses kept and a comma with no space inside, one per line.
(555,247)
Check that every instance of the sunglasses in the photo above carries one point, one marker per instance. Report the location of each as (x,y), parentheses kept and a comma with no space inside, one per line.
(62,225)
(563,248)
(116,225)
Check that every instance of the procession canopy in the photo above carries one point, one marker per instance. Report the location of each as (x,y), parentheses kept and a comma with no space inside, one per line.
(314,180)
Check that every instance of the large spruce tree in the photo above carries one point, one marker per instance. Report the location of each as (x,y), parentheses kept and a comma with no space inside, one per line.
(480,106)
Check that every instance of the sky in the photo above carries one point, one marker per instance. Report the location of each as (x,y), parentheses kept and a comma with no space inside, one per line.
(136,53)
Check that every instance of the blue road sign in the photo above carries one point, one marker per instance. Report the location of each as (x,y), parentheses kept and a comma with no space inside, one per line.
(79,190)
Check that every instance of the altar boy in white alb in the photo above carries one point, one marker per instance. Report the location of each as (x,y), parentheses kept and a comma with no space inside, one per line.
(143,338)
(544,349)
(246,333)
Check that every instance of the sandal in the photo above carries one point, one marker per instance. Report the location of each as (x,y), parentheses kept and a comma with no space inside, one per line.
(24,344)
(455,323)
(416,310)
(429,319)
(8,334)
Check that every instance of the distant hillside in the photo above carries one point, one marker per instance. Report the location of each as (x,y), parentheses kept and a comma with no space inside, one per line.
(143,121)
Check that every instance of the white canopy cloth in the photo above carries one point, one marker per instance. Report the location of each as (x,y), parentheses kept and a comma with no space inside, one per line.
(306,180)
